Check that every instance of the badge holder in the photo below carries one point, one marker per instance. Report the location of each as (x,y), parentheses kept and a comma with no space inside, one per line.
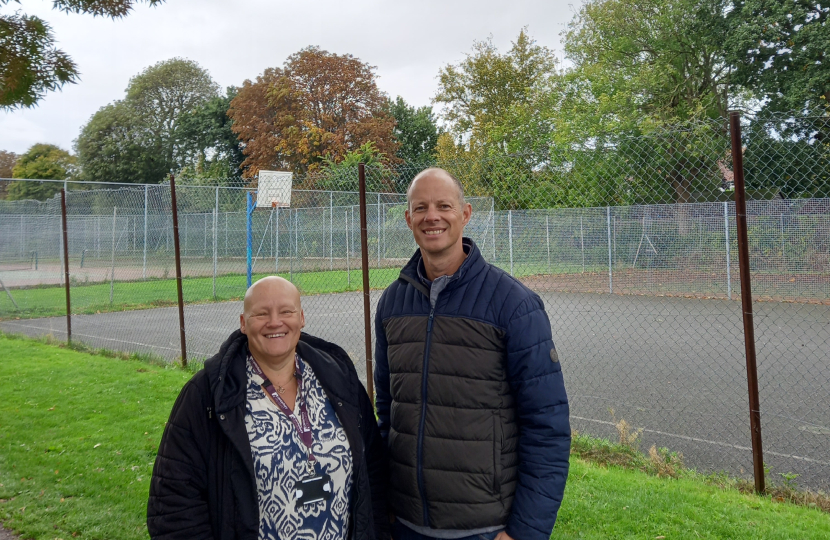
(312,488)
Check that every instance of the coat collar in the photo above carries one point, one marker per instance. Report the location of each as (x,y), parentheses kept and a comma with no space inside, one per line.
(414,270)
(228,377)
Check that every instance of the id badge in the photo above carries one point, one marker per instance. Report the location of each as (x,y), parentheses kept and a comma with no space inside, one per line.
(312,489)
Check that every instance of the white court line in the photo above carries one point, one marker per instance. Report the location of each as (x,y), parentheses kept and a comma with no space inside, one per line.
(97,337)
(696,439)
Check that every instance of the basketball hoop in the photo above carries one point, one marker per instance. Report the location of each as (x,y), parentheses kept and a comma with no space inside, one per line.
(274,189)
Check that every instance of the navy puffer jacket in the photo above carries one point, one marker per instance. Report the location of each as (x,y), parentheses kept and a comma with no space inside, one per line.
(471,401)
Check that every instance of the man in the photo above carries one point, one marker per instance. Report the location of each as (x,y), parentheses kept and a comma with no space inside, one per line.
(274,439)
(470,395)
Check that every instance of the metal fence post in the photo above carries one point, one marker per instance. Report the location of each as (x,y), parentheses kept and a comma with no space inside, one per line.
(728,256)
(65,238)
(378,218)
(746,301)
(610,260)
(144,259)
(249,235)
(179,292)
(547,239)
(493,228)
(364,254)
(348,266)
(582,242)
(215,240)
(331,230)
(277,240)
(112,269)
(510,237)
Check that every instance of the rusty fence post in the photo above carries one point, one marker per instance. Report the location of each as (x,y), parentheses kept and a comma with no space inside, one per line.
(178,269)
(746,300)
(66,266)
(364,254)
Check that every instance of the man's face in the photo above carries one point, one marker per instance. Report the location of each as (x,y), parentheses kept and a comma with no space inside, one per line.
(272,321)
(436,215)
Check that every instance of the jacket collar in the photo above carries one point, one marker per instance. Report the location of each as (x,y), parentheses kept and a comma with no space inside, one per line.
(228,377)
(414,272)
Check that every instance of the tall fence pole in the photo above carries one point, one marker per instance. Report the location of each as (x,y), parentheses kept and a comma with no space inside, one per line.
(510,237)
(547,239)
(215,239)
(331,230)
(364,255)
(610,257)
(178,268)
(348,265)
(728,247)
(65,236)
(746,301)
(112,261)
(582,242)
(378,216)
(144,261)
(249,235)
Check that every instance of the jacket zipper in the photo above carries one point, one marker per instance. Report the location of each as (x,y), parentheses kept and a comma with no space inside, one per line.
(425,370)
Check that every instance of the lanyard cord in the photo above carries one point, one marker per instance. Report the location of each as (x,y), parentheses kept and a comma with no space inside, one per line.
(301,424)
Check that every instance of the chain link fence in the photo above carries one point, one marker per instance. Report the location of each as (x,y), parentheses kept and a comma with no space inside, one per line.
(630,240)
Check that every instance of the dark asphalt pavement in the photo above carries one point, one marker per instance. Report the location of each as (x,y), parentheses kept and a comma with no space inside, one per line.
(672,366)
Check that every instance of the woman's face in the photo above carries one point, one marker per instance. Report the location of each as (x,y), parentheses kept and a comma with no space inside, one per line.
(272,321)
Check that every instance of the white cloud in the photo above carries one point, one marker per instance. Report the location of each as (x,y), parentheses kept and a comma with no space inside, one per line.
(235,40)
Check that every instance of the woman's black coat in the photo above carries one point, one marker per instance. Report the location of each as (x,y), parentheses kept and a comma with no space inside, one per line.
(203,484)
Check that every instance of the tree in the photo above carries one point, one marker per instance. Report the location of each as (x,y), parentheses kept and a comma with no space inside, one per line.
(342,175)
(642,62)
(141,138)
(643,67)
(211,149)
(7,161)
(31,63)
(779,50)
(491,97)
(44,162)
(415,130)
(318,105)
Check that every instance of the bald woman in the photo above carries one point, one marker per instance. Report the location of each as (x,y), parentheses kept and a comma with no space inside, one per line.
(275,438)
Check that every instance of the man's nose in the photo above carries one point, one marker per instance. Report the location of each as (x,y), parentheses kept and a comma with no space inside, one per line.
(432,214)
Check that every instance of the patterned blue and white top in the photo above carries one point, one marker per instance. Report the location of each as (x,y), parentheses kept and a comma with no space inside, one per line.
(279,462)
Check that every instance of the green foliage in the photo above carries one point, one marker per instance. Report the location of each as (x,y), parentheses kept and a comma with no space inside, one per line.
(645,62)
(31,63)
(343,175)
(415,130)
(778,48)
(145,136)
(41,161)
(212,150)
(500,100)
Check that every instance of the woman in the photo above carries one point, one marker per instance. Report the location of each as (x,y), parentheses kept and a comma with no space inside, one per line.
(275,438)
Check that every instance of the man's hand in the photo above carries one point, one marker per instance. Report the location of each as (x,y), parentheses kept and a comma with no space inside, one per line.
(503,536)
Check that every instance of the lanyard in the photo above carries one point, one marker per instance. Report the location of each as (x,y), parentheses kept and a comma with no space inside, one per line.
(301,424)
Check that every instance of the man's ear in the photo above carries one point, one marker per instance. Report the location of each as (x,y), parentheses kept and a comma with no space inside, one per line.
(242,323)
(408,219)
(467,212)
(302,319)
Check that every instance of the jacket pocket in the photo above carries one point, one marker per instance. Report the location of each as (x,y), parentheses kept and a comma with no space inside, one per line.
(498,443)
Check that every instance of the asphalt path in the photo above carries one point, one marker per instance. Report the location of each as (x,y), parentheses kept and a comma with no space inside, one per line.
(673,367)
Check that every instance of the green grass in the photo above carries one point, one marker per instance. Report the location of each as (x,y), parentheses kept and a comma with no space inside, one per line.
(79,432)
(94,298)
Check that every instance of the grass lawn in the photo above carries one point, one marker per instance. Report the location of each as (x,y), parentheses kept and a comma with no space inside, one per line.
(51,301)
(79,432)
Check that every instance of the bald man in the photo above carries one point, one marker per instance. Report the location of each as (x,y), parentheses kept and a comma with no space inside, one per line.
(274,439)
(469,391)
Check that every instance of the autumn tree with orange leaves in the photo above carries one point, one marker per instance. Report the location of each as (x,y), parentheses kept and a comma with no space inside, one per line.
(316,109)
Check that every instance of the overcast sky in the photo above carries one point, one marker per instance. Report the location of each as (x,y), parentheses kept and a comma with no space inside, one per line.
(408,41)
